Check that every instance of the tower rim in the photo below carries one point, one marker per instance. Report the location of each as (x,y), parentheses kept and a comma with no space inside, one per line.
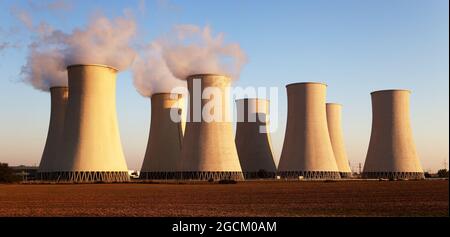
(92,64)
(206,74)
(305,83)
(334,103)
(390,90)
(164,93)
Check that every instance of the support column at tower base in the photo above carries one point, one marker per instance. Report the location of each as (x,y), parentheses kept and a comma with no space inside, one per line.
(259,175)
(215,175)
(346,174)
(85,176)
(309,174)
(393,175)
(159,175)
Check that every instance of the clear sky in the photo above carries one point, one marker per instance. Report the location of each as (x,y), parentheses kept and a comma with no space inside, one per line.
(355,46)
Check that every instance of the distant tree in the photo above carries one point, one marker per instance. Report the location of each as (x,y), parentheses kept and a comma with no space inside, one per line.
(7,174)
(427,175)
(443,173)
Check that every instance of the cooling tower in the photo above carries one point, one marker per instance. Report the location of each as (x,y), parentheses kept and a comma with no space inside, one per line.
(162,158)
(307,150)
(334,119)
(253,139)
(392,152)
(209,151)
(53,144)
(91,149)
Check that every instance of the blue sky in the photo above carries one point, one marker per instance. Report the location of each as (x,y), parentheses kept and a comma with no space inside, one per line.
(355,46)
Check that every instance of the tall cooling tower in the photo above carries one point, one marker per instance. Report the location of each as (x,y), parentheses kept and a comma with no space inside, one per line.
(253,139)
(92,150)
(307,149)
(392,152)
(209,151)
(163,155)
(334,119)
(53,144)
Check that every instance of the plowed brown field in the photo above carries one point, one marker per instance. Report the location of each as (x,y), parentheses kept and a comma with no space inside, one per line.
(271,198)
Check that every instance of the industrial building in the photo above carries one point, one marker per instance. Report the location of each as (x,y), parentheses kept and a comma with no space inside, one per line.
(392,152)
(26,173)
(253,139)
(91,149)
(307,151)
(83,141)
(52,150)
(209,151)
(334,121)
(163,154)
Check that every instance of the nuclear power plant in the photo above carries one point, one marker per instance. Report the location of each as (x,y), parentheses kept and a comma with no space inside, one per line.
(91,149)
(334,120)
(163,155)
(52,149)
(209,151)
(307,151)
(83,142)
(392,152)
(253,139)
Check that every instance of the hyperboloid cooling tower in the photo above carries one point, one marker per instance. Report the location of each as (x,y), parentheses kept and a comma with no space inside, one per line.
(392,152)
(307,150)
(334,119)
(52,149)
(253,139)
(91,148)
(162,158)
(209,151)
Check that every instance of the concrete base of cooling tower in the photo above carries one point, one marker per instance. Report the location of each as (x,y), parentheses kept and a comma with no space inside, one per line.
(259,175)
(85,176)
(215,175)
(159,175)
(205,175)
(393,175)
(345,175)
(309,174)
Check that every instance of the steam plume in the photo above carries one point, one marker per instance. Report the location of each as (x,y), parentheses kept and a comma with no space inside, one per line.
(189,49)
(103,41)
(151,74)
(44,68)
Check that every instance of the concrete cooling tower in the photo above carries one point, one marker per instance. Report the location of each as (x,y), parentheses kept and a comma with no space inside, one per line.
(253,139)
(307,150)
(209,151)
(91,149)
(50,156)
(334,119)
(162,158)
(392,152)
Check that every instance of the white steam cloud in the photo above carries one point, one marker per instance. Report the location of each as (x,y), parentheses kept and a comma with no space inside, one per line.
(151,74)
(190,49)
(103,41)
(44,68)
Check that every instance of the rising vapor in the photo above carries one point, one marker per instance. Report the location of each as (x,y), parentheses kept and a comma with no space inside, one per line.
(103,41)
(189,49)
(44,68)
(151,74)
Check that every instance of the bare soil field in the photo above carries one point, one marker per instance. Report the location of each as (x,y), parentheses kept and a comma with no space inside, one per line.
(259,198)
